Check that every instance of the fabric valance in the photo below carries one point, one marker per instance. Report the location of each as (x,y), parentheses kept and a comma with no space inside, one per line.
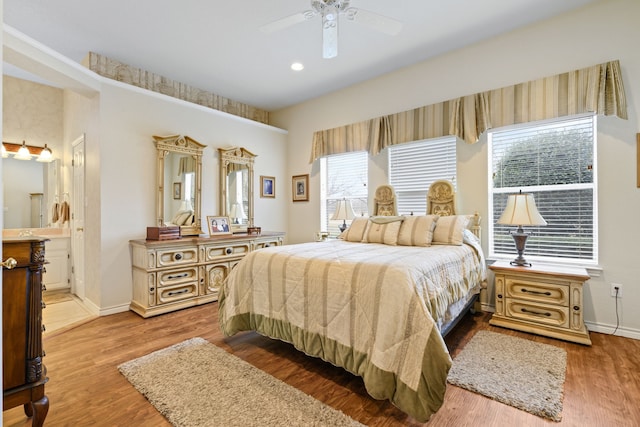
(598,89)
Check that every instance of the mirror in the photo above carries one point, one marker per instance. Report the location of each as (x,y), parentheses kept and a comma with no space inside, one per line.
(179,178)
(30,191)
(236,187)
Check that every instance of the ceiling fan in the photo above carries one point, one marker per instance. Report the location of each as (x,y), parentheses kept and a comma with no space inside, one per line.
(330,10)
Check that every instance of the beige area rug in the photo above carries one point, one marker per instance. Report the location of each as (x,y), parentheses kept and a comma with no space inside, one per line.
(515,371)
(196,383)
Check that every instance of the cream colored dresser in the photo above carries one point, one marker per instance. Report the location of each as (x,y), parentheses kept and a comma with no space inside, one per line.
(173,274)
(542,299)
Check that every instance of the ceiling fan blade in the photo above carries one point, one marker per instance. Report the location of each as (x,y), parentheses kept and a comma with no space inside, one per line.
(330,32)
(373,20)
(288,21)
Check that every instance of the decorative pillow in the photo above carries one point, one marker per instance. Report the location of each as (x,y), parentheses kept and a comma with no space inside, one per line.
(355,232)
(417,230)
(182,217)
(449,230)
(383,229)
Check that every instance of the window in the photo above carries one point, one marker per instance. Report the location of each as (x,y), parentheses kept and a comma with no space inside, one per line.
(413,167)
(555,161)
(343,176)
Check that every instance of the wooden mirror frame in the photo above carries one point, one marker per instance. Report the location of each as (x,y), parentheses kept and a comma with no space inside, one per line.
(242,156)
(182,145)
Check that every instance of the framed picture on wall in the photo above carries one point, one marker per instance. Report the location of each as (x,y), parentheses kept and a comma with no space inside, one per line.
(267,186)
(300,188)
(219,225)
(177,191)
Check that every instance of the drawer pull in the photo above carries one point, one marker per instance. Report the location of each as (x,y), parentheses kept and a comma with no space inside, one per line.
(9,263)
(547,293)
(228,251)
(172,293)
(44,288)
(535,313)
(152,289)
(177,256)
(42,304)
(266,245)
(43,328)
(177,276)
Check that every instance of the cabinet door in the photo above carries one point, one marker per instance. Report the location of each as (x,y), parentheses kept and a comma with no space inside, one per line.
(56,271)
(216,273)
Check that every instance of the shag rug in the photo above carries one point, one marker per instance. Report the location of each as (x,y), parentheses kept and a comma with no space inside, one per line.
(195,383)
(515,371)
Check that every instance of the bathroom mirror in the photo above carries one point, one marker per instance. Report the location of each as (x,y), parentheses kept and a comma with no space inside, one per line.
(31,190)
(179,178)
(236,187)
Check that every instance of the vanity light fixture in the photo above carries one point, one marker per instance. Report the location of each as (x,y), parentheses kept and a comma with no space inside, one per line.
(23,153)
(46,155)
(27,152)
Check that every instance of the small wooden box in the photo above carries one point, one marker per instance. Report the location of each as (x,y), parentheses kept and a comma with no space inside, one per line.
(163,233)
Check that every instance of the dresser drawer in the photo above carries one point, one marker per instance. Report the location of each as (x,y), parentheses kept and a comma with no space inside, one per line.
(177,276)
(538,313)
(539,292)
(177,256)
(267,243)
(220,252)
(177,293)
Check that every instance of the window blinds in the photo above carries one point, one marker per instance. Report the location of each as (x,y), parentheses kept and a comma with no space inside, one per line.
(413,167)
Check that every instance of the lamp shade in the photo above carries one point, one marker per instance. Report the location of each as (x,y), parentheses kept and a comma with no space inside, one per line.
(46,155)
(237,211)
(23,153)
(521,210)
(343,211)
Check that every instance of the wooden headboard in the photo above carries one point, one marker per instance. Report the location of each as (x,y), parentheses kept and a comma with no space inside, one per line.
(441,198)
(384,202)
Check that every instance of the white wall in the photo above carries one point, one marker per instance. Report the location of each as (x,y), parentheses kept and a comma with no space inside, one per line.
(598,33)
(127,161)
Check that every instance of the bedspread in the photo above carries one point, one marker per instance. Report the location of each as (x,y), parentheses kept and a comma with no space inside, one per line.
(368,308)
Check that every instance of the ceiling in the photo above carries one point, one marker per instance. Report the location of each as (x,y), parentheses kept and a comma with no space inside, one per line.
(218,46)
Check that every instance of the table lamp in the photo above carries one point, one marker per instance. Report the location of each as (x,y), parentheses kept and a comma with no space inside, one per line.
(343,212)
(521,210)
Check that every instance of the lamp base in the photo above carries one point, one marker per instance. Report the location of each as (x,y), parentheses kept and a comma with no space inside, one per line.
(343,226)
(520,239)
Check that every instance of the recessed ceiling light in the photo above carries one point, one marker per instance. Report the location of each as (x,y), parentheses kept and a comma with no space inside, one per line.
(297,66)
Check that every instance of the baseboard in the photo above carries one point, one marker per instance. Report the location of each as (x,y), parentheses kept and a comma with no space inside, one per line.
(105,311)
(609,329)
(114,309)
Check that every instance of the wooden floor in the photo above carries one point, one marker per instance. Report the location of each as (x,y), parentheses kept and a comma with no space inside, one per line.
(602,385)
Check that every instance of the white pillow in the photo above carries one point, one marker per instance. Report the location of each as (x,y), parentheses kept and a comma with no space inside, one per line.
(450,229)
(417,230)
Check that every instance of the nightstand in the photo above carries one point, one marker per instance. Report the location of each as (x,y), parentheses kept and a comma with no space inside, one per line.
(542,299)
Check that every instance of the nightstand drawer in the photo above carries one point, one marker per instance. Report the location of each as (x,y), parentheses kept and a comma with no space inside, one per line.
(547,293)
(538,313)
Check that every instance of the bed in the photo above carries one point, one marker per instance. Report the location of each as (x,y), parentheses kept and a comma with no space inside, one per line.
(375,301)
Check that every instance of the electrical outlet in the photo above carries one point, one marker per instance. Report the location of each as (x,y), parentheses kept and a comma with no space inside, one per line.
(616,290)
